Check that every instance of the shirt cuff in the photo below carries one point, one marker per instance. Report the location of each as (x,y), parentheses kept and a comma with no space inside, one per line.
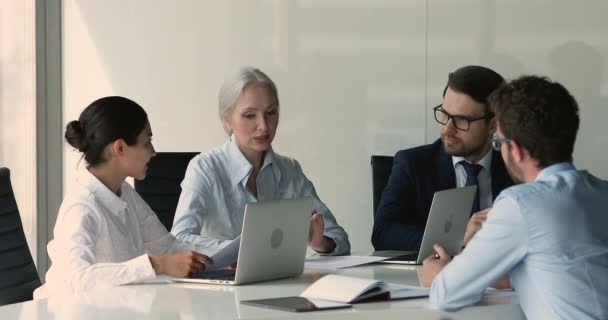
(142,267)
(336,250)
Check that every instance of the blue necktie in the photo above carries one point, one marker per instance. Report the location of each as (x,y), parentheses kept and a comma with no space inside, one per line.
(472,171)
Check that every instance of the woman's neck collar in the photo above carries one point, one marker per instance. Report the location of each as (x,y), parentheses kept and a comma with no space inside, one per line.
(110,177)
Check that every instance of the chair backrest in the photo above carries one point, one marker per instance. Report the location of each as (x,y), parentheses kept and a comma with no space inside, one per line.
(18,275)
(381,171)
(162,186)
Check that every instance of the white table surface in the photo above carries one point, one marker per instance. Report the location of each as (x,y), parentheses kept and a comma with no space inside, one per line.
(201,301)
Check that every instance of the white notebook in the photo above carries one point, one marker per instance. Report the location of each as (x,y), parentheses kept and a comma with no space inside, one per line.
(350,289)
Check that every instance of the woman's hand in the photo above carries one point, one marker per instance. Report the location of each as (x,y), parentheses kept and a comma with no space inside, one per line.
(316,239)
(181,264)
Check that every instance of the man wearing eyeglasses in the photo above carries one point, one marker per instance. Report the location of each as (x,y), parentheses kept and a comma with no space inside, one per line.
(547,234)
(462,157)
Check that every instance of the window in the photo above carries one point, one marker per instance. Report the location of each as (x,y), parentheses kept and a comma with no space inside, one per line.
(18,107)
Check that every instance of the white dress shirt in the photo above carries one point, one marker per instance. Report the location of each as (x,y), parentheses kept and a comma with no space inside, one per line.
(102,239)
(550,236)
(214,194)
(484,178)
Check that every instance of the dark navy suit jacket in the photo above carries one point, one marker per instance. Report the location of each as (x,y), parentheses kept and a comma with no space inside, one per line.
(417,174)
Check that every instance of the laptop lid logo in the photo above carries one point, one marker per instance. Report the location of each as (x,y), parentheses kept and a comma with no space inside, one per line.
(448,225)
(276,239)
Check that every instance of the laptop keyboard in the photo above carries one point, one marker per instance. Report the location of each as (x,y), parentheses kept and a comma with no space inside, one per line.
(215,275)
(405,257)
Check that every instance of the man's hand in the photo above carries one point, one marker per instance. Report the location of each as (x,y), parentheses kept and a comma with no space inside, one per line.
(316,240)
(432,265)
(502,283)
(474,225)
(181,264)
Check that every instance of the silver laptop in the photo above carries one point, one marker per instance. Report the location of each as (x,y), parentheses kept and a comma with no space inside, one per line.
(273,244)
(446,225)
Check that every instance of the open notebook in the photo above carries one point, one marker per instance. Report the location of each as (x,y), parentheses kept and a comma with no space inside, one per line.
(350,290)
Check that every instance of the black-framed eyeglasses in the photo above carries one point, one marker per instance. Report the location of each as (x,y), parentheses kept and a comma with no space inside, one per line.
(460,122)
(497,142)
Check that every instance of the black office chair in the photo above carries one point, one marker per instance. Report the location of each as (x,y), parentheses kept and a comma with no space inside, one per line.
(18,275)
(381,171)
(161,187)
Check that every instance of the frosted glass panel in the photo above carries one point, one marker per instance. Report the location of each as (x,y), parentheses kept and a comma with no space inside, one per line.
(562,39)
(349,74)
(355,77)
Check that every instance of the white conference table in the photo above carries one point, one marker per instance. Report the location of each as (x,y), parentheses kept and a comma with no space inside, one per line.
(202,301)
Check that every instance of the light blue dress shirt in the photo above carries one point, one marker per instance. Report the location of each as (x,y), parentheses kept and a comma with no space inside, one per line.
(214,193)
(551,237)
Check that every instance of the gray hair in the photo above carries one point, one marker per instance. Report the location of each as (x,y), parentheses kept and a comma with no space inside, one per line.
(233,87)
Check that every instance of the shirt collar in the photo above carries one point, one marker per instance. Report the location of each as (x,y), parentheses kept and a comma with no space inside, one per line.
(485,162)
(553,169)
(240,167)
(113,202)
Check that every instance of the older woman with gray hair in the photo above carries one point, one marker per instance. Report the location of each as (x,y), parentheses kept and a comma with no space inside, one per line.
(219,183)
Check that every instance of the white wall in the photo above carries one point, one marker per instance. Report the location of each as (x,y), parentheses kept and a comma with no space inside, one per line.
(355,77)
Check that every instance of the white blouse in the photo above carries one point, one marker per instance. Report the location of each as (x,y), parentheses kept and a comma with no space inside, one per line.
(102,239)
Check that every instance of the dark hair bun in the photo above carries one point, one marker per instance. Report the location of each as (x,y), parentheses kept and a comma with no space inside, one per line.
(75,135)
(104,121)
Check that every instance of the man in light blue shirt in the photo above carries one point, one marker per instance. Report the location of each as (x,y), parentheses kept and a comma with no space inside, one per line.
(547,237)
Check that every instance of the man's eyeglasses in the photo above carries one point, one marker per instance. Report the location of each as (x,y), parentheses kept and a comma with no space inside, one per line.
(497,142)
(460,122)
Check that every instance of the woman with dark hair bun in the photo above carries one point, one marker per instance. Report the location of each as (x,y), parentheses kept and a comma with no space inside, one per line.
(105,233)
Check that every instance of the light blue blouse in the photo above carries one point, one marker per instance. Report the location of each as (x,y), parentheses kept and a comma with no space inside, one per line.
(551,237)
(214,193)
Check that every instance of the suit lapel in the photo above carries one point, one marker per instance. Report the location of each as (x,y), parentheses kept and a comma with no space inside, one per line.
(447,176)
